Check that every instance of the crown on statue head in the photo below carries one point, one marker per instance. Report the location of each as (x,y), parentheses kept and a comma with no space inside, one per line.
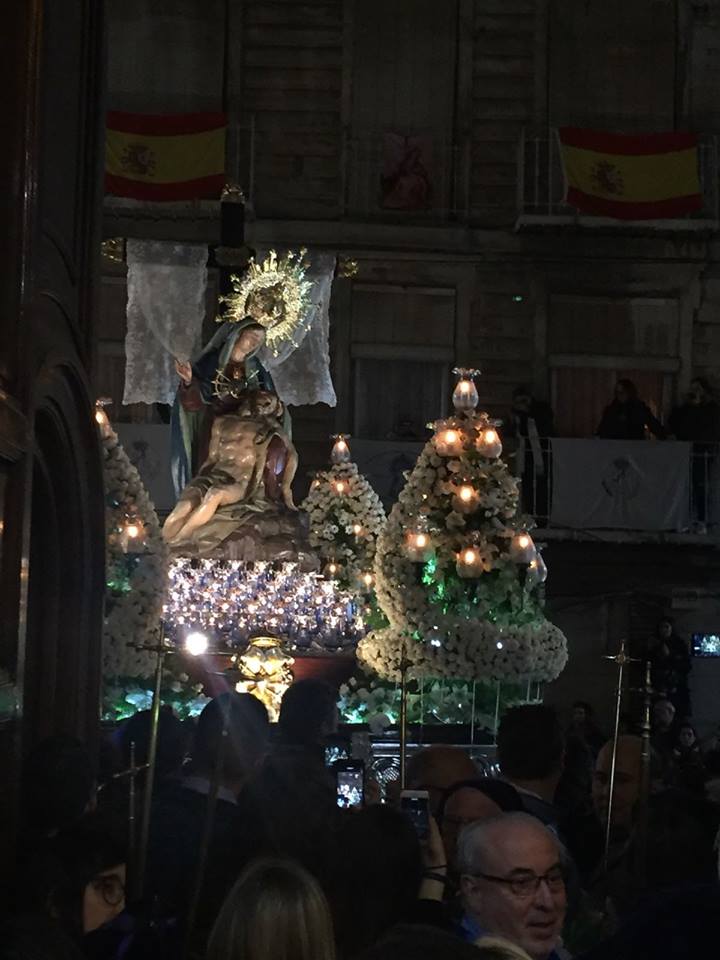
(275,292)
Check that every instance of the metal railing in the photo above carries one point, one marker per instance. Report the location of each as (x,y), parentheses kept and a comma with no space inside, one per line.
(700,508)
(541,180)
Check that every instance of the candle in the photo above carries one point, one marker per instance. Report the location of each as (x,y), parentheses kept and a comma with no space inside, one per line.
(340,451)
(469,563)
(522,548)
(449,443)
(340,487)
(418,546)
(357,529)
(465,499)
(465,396)
(488,444)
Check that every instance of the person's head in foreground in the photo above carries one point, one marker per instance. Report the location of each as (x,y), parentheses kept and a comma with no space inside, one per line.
(232,730)
(308,713)
(471,800)
(78,878)
(626,789)
(436,769)
(275,911)
(512,882)
(663,716)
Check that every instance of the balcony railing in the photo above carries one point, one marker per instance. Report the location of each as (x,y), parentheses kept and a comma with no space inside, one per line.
(615,489)
(541,186)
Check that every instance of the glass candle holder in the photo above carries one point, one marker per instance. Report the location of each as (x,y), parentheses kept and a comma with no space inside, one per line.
(489,444)
(449,442)
(469,563)
(341,451)
(522,548)
(466,499)
(465,395)
(418,546)
(537,570)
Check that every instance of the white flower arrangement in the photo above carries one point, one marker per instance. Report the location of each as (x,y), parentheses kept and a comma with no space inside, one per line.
(498,631)
(346,519)
(134,600)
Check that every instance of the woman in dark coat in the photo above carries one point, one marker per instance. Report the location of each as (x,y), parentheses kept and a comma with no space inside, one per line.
(628,417)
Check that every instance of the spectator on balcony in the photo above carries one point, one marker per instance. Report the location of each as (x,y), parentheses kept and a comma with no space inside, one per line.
(670,666)
(532,422)
(628,417)
(698,420)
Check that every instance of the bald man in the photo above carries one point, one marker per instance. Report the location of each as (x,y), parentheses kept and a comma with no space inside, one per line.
(437,768)
(628,775)
(513,883)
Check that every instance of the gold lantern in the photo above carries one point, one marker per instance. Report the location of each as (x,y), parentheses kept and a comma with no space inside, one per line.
(266,672)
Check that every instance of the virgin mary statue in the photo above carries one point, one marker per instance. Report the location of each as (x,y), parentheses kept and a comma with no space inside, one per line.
(233,459)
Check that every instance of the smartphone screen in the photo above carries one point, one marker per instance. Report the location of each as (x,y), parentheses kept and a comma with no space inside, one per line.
(338,750)
(415,804)
(350,778)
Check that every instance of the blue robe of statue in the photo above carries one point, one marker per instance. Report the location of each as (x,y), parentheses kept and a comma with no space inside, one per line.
(193,408)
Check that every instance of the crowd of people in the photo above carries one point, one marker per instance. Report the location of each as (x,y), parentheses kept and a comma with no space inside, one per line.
(249,856)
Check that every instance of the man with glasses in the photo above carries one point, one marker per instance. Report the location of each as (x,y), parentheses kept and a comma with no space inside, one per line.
(513,884)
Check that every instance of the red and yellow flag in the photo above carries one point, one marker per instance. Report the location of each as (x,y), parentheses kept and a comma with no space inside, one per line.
(177,157)
(631,177)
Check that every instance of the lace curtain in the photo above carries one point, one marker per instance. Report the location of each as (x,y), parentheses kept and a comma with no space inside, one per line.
(165,308)
(301,369)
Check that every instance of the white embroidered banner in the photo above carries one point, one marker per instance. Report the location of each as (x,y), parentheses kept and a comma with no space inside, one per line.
(620,485)
(165,308)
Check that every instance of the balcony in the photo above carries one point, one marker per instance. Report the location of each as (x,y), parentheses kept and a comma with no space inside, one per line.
(618,490)
(541,191)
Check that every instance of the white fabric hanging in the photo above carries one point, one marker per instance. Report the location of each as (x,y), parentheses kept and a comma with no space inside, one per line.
(166,285)
(301,368)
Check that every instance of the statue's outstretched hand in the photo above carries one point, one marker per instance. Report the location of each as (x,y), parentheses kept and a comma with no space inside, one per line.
(184,370)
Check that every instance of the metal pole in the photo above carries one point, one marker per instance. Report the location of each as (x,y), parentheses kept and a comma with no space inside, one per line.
(403,724)
(621,659)
(152,756)
(214,787)
(497,711)
(641,862)
(132,837)
(472,716)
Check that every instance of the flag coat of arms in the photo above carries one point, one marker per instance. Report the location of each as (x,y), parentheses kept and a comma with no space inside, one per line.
(631,177)
(175,157)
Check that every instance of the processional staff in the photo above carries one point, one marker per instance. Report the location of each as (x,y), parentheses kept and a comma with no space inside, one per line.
(131,774)
(161,649)
(622,660)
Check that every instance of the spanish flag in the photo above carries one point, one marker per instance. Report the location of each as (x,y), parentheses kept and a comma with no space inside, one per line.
(640,177)
(177,157)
